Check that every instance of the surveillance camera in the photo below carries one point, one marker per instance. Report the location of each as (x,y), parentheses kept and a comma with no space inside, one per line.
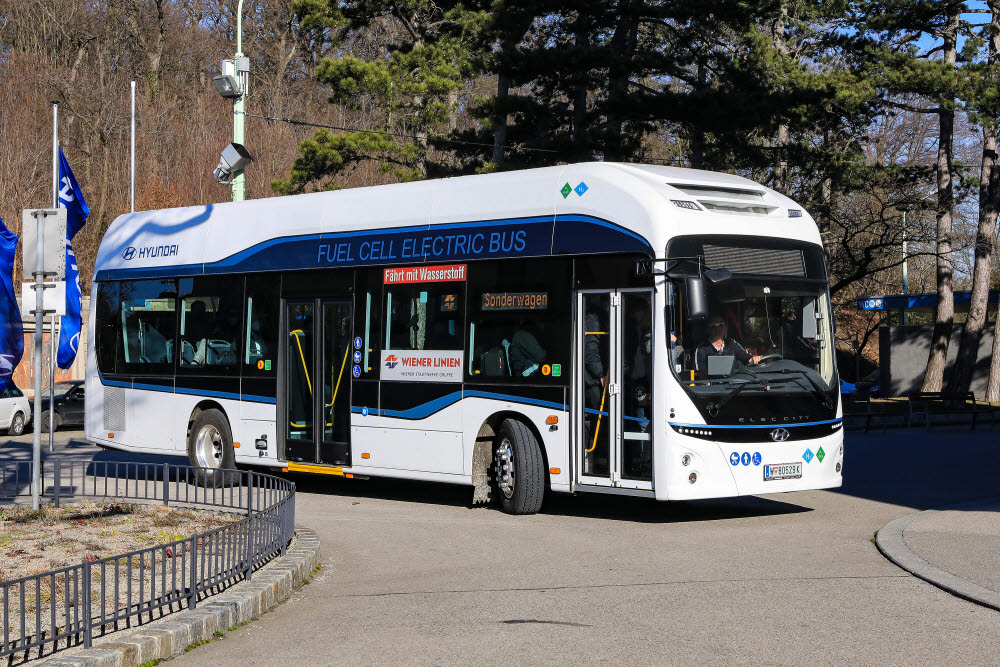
(235,157)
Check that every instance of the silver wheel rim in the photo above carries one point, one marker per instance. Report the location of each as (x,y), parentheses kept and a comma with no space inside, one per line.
(208,447)
(504,468)
(18,422)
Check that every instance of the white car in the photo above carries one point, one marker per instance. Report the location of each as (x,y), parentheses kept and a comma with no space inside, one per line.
(15,410)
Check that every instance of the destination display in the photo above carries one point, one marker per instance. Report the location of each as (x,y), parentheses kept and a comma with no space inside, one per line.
(515,301)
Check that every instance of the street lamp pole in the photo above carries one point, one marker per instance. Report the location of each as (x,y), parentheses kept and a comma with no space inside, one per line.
(239,103)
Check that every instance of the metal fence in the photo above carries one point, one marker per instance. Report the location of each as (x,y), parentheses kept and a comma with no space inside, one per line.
(72,605)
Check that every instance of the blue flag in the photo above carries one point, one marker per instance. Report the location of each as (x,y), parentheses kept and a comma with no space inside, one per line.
(11,334)
(71,199)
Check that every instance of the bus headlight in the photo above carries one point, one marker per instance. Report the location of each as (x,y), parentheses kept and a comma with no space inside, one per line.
(686,460)
(693,477)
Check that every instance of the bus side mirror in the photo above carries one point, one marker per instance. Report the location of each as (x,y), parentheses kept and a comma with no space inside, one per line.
(697,298)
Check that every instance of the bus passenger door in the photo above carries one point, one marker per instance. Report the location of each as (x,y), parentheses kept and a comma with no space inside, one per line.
(317,381)
(614,388)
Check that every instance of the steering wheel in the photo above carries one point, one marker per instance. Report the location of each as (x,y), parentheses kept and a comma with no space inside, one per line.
(769,357)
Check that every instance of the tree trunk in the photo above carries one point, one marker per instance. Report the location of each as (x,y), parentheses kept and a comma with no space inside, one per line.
(580,89)
(500,117)
(781,141)
(989,189)
(623,46)
(944,314)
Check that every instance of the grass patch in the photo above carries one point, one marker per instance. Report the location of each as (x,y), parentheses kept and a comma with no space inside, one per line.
(193,645)
(151,663)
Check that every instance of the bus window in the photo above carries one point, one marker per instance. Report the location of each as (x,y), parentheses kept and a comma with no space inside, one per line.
(211,319)
(148,325)
(424,317)
(106,333)
(366,320)
(519,321)
(260,352)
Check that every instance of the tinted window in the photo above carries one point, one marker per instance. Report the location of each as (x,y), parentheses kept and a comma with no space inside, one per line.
(211,320)
(519,321)
(148,326)
(260,353)
(424,316)
(107,326)
(367,318)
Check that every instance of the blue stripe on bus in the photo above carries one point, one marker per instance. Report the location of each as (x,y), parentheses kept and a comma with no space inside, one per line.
(248,253)
(775,425)
(427,409)
(190,392)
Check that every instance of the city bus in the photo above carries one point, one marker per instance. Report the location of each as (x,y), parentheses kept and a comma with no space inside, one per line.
(610,328)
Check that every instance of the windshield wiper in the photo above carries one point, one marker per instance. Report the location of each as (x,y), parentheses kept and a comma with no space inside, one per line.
(817,390)
(714,408)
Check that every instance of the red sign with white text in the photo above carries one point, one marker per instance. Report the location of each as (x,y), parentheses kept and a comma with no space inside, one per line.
(425,274)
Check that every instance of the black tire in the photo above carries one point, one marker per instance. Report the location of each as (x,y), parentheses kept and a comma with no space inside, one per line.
(16,424)
(213,455)
(517,446)
(56,422)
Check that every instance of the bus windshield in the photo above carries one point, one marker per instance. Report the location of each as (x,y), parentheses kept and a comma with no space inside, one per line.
(757,336)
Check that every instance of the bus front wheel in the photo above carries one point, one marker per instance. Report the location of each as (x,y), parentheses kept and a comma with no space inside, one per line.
(210,448)
(518,469)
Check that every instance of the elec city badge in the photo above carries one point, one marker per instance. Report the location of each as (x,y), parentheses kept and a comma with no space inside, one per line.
(422,365)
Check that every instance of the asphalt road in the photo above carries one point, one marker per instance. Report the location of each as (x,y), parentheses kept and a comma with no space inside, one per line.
(413,574)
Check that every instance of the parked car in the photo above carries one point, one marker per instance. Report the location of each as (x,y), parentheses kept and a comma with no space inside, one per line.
(15,410)
(68,405)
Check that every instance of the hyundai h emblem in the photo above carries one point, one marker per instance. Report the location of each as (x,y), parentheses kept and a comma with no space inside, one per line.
(779,434)
(128,253)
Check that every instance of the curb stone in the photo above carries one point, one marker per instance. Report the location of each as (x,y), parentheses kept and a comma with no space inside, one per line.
(241,603)
(889,541)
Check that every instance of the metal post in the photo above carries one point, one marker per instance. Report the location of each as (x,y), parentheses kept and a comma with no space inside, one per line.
(57,481)
(87,611)
(249,525)
(52,381)
(166,484)
(239,103)
(906,308)
(132,187)
(36,444)
(193,555)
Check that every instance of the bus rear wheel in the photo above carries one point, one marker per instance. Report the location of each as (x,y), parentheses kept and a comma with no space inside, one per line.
(210,449)
(518,469)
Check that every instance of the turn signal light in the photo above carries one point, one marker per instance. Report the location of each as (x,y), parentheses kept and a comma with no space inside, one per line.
(111,435)
(552,419)
(554,471)
(236,445)
(365,455)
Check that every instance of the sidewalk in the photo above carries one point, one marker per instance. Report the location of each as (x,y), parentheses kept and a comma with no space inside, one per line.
(955,548)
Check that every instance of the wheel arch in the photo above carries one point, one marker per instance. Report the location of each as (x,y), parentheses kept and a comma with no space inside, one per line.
(486,435)
(201,407)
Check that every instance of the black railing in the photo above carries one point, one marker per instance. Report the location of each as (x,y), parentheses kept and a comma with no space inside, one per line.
(71,605)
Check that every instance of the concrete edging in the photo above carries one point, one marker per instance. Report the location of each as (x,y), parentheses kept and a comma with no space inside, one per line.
(889,541)
(243,602)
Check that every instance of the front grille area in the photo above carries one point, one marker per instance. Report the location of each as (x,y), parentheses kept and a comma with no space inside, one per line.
(756,261)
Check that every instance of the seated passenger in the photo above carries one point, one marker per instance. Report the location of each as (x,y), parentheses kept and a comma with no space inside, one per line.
(525,352)
(719,345)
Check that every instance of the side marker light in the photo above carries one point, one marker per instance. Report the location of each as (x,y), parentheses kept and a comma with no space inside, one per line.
(554,471)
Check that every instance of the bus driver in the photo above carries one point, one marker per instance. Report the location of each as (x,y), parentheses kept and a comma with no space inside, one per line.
(719,345)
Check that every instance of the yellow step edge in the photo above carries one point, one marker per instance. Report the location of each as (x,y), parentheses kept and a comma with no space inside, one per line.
(322,470)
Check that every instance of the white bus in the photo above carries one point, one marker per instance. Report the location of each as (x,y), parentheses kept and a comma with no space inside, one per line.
(598,327)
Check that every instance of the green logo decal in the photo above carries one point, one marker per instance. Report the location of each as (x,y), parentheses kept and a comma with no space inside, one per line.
(820,454)
(556,370)
(267,364)
(566,189)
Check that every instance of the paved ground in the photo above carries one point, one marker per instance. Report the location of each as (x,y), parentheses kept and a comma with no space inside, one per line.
(413,574)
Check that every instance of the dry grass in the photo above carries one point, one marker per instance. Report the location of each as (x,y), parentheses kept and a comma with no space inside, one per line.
(32,542)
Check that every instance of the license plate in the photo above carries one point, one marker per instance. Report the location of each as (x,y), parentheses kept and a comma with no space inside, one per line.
(782,471)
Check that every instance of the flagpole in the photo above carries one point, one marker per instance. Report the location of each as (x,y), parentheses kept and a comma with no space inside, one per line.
(133,150)
(52,381)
